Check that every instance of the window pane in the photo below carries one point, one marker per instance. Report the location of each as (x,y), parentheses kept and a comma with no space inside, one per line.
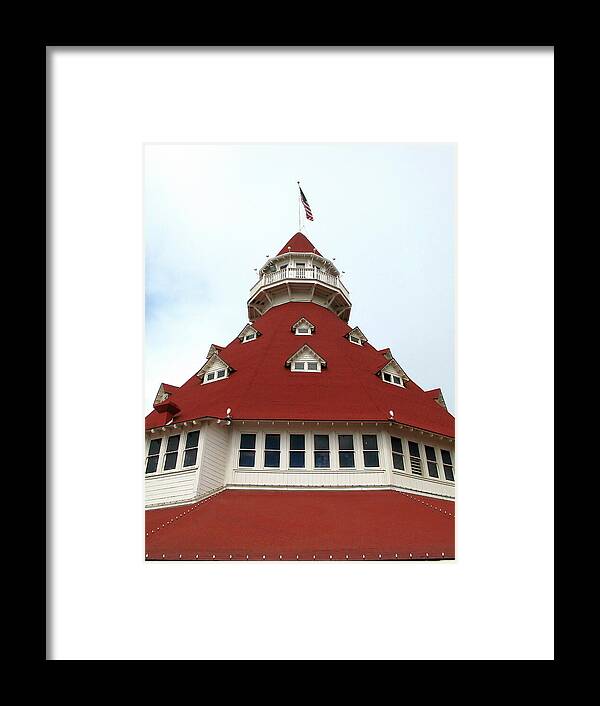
(220,373)
(297,442)
(154,447)
(346,459)
(192,439)
(430,453)
(298,366)
(312,366)
(321,459)
(346,442)
(448,473)
(414,449)
(370,442)
(322,442)
(302,330)
(247,459)
(210,376)
(396,444)
(387,377)
(296,459)
(398,462)
(371,459)
(396,379)
(173,443)
(272,441)
(271,459)
(190,456)
(151,464)
(248,441)
(432,469)
(446,457)
(170,461)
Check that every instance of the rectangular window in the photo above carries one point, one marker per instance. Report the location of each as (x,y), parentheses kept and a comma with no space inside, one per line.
(447,463)
(432,467)
(153,452)
(297,450)
(312,366)
(272,450)
(370,451)
(387,377)
(321,450)
(397,453)
(220,373)
(396,380)
(190,454)
(172,451)
(298,366)
(346,450)
(415,458)
(247,450)
(303,331)
(249,337)
(210,376)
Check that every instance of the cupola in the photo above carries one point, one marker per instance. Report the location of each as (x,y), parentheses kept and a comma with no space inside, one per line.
(299,273)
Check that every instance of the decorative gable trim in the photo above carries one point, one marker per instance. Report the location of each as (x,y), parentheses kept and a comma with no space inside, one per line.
(248,333)
(437,397)
(162,395)
(300,325)
(213,364)
(306,355)
(356,336)
(213,349)
(393,373)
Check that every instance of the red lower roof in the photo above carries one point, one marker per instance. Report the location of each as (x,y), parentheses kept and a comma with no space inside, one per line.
(303,525)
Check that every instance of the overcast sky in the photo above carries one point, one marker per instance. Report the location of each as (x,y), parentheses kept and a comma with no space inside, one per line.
(386,212)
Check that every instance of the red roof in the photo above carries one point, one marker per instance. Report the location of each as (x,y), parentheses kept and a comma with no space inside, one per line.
(346,390)
(298,243)
(322,525)
(169,388)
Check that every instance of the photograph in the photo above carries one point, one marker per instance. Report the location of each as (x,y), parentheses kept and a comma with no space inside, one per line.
(299,352)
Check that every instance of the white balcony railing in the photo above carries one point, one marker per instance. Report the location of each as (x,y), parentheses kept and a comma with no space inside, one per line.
(311,274)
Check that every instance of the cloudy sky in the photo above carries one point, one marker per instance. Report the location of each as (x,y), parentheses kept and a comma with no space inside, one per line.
(386,212)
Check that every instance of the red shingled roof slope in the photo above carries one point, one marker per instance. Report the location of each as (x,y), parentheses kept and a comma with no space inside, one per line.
(347,389)
(298,243)
(307,525)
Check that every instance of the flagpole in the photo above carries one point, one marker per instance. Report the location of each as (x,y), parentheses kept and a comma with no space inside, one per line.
(299,210)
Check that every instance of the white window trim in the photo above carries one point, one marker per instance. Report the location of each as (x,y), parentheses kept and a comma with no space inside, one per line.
(309,452)
(177,450)
(303,331)
(215,377)
(304,364)
(391,382)
(249,337)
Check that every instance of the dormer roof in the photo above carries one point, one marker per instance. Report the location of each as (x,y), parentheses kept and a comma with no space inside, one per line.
(436,394)
(248,328)
(303,323)
(214,348)
(214,360)
(306,353)
(393,367)
(357,333)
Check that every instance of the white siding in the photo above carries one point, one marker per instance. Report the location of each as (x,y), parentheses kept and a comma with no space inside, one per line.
(170,487)
(214,457)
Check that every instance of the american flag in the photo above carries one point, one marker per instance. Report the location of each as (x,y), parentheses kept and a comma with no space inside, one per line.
(307,210)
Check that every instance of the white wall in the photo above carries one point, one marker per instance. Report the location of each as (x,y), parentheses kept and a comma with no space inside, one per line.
(218,463)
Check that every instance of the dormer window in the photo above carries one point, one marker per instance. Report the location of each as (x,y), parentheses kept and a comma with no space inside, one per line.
(305,360)
(303,327)
(393,374)
(356,336)
(214,369)
(248,333)
(215,375)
